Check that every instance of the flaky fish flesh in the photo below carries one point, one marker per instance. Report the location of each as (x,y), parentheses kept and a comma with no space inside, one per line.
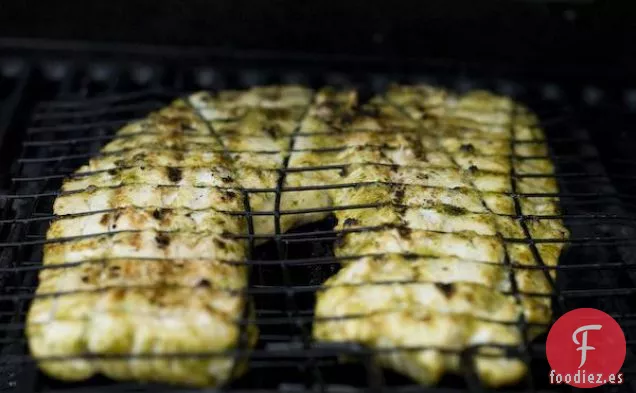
(146,255)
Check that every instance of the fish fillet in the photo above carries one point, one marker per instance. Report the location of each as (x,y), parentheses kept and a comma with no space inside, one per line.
(431,176)
(144,256)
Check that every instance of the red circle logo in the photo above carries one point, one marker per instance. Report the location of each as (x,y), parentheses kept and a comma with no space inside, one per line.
(585,349)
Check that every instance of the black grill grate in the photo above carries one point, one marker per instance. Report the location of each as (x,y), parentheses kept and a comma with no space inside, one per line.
(73,110)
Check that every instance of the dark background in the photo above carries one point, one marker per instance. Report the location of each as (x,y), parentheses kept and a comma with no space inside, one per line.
(524,33)
(530,36)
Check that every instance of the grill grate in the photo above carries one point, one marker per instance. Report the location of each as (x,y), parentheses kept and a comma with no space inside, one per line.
(76,110)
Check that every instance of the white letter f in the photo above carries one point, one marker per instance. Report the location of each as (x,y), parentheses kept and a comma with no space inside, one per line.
(584,347)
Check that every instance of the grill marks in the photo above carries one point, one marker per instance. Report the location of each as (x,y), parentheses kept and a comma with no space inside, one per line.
(158,214)
(467,147)
(447,289)
(432,174)
(202,176)
(445,170)
(163,240)
(172,224)
(174,174)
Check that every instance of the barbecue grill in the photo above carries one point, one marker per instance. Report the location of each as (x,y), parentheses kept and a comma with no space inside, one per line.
(59,106)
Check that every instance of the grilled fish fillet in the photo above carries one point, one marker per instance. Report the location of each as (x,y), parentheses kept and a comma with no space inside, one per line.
(431,228)
(146,250)
(146,255)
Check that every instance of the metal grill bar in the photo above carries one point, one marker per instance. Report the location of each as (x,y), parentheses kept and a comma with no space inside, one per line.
(77,119)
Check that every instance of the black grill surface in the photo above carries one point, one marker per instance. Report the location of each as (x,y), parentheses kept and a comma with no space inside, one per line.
(58,110)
